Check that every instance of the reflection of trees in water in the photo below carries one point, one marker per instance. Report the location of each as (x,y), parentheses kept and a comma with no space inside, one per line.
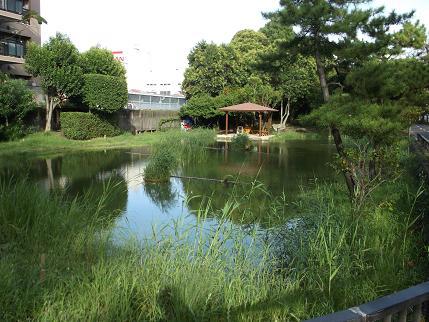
(111,191)
(255,205)
(20,166)
(161,194)
(283,168)
(88,164)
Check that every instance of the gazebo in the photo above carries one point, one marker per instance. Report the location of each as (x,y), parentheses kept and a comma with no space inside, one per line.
(248,108)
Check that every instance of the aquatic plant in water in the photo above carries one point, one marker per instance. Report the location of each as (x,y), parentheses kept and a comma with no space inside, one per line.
(241,142)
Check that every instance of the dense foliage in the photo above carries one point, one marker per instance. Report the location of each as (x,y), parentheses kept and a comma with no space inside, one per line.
(101,61)
(57,65)
(105,93)
(205,108)
(93,80)
(85,126)
(241,142)
(212,68)
(16,101)
(161,164)
(355,36)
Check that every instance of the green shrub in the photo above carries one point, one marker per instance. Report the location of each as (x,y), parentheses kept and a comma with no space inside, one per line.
(168,123)
(105,93)
(16,101)
(161,164)
(241,142)
(85,126)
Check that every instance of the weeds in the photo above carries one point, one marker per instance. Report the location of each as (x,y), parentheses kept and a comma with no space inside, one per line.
(322,259)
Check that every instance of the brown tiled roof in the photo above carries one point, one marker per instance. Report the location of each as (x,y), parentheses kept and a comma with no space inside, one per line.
(247,107)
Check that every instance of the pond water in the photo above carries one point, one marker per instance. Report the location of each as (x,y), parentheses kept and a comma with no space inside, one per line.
(144,208)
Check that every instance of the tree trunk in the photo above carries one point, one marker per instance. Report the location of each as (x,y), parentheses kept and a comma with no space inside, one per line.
(340,150)
(50,107)
(286,116)
(334,130)
(48,114)
(322,77)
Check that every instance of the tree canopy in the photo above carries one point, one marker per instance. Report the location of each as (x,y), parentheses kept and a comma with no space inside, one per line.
(101,61)
(93,79)
(105,93)
(211,69)
(56,63)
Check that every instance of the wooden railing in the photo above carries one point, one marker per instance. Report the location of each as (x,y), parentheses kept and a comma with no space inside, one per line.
(406,305)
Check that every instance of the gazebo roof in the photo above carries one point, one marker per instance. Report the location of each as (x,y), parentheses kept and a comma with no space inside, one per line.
(247,107)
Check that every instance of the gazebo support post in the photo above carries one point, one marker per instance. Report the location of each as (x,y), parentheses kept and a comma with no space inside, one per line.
(260,124)
(226,123)
(270,121)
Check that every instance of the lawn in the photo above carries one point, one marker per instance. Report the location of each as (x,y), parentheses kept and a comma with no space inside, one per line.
(48,143)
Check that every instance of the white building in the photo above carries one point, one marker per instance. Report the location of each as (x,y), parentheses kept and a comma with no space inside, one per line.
(144,76)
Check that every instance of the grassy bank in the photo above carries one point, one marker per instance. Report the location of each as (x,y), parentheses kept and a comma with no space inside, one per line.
(46,143)
(51,143)
(294,133)
(324,257)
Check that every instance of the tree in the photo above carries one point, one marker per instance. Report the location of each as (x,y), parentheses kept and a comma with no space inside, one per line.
(56,63)
(249,46)
(212,68)
(290,73)
(16,100)
(205,108)
(384,98)
(105,93)
(101,61)
(329,30)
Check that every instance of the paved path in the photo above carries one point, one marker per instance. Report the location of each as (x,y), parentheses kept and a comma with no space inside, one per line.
(421,129)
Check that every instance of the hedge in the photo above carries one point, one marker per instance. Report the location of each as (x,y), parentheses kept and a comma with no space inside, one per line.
(105,93)
(85,126)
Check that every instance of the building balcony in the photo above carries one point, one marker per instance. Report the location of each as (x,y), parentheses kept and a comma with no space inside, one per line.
(13,10)
(12,50)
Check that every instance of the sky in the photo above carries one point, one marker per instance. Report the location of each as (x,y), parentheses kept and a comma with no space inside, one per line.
(157,35)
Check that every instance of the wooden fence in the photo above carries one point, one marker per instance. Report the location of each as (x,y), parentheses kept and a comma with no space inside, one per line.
(407,305)
(146,120)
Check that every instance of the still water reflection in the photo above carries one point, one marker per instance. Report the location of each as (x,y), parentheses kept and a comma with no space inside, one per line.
(143,208)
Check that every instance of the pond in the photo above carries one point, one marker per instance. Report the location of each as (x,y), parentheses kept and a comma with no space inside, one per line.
(282,168)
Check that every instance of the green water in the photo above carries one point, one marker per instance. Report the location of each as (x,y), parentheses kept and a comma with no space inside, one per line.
(283,169)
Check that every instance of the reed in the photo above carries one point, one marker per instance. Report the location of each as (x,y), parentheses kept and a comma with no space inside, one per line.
(321,258)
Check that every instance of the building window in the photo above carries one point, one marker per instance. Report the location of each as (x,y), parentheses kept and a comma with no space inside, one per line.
(12,47)
(12,5)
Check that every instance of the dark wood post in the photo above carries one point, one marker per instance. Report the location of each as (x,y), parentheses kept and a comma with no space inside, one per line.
(226,123)
(260,124)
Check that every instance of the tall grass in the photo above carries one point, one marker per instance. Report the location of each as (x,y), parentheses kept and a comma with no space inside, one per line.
(291,134)
(175,148)
(323,258)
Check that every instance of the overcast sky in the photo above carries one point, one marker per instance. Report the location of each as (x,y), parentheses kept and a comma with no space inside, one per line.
(157,35)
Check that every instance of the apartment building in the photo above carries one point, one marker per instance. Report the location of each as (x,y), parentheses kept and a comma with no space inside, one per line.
(15,33)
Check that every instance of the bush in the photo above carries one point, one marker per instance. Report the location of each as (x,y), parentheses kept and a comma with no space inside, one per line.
(16,101)
(168,123)
(161,164)
(85,126)
(105,93)
(241,142)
